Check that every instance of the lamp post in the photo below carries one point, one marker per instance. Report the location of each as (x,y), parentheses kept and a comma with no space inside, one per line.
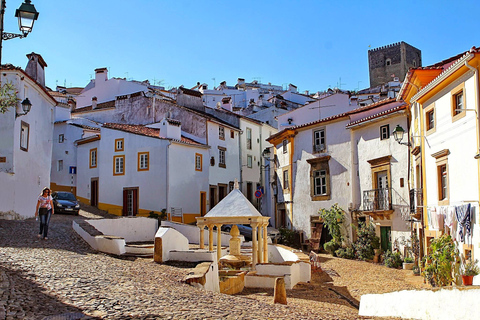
(398,136)
(26,15)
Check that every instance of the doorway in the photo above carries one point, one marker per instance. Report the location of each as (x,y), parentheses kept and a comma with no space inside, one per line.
(130,202)
(213,196)
(385,238)
(94,192)
(383,195)
(203,203)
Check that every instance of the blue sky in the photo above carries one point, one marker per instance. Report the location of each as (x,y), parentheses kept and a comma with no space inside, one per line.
(312,44)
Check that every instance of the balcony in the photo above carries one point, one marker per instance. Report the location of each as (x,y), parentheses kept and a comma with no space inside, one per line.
(377,203)
(416,203)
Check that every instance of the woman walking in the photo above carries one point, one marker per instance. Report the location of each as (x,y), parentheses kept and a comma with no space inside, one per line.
(44,210)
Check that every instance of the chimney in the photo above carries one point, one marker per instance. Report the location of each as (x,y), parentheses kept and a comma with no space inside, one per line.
(240,81)
(36,68)
(292,88)
(101,74)
(170,128)
(72,104)
(94,103)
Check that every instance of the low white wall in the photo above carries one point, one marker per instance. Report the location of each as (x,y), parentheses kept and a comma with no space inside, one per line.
(445,304)
(212,281)
(85,235)
(171,240)
(111,245)
(130,228)
(193,233)
(194,255)
(297,272)
(278,254)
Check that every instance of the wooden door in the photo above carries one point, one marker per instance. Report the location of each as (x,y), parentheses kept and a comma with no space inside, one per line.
(94,192)
(385,238)
(203,203)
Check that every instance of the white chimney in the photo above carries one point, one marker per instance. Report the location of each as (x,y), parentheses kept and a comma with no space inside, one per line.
(94,103)
(101,74)
(170,129)
(292,88)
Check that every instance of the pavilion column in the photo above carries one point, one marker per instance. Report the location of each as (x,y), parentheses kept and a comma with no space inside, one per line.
(254,246)
(210,237)
(219,241)
(260,244)
(265,245)
(202,236)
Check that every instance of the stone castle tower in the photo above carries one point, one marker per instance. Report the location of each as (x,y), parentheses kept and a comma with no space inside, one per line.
(393,59)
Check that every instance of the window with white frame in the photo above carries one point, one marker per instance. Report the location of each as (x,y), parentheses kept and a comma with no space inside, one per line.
(221,133)
(249,138)
(198,162)
(24,136)
(221,157)
(249,161)
(320,182)
(59,165)
(61,138)
(119,144)
(143,161)
(118,165)
(384,132)
(319,140)
(93,158)
(284,145)
(285,179)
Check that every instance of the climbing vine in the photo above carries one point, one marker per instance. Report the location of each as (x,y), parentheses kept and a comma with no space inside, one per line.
(8,97)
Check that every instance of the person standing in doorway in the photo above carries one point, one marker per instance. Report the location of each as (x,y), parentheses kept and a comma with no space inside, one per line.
(44,210)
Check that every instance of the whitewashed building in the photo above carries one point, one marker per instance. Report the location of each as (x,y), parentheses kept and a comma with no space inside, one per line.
(26,140)
(134,170)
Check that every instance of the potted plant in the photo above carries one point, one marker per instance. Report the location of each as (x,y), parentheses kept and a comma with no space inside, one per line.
(408,263)
(468,271)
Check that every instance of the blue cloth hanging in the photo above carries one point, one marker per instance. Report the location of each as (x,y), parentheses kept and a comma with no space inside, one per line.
(462,214)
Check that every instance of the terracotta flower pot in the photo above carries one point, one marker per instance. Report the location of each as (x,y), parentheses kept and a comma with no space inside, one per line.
(467,280)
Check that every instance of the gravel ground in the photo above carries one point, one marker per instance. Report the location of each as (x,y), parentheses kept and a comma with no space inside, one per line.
(63,278)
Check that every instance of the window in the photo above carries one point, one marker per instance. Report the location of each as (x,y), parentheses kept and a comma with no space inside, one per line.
(118,165)
(249,139)
(284,143)
(384,132)
(93,158)
(430,118)
(458,102)
(232,134)
(221,157)
(143,161)
(60,165)
(249,161)
(319,178)
(24,136)
(388,62)
(320,182)
(319,140)
(61,138)
(285,179)
(221,133)
(414,63)
(442,176)
(198,162)
(119,144)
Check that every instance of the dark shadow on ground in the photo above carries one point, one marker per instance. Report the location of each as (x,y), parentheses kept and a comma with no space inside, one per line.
(25,299)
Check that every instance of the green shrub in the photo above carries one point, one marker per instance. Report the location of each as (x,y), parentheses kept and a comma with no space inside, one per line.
(366,242)
(345,253)
(287,237)
(160,217)
(408,260)
(392,259)
(331,246)
(440,262)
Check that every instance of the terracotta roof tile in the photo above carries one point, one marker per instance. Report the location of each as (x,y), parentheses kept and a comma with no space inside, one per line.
(149,132)
(403,106)
(103,105)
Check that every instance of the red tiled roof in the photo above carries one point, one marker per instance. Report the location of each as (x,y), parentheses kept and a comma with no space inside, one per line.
(103,105)
(402,106)
(146,131)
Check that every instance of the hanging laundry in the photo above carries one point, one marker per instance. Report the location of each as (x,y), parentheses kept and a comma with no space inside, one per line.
(433,224)
(442,212)
(450,219)
(462,213)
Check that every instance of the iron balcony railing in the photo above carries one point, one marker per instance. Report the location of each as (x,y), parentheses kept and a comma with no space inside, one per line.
(377,199)
(416,201)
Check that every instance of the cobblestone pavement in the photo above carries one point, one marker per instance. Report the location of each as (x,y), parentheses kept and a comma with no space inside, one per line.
(63,278)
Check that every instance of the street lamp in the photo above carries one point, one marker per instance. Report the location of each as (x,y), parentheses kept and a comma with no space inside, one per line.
(26,15)
(398,136)
(26,106)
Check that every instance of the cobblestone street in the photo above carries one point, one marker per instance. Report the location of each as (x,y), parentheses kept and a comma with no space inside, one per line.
(63,278)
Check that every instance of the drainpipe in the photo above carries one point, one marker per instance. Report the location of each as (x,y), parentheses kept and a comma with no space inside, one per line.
(153,106)
(240,132)
(167,179)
